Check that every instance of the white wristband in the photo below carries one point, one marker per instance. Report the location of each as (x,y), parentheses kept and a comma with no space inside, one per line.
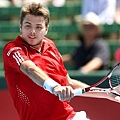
(49,84)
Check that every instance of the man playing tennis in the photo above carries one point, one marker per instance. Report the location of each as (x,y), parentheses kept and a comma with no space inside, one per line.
(37,80)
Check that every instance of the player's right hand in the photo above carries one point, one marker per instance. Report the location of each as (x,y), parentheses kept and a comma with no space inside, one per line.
(63,92)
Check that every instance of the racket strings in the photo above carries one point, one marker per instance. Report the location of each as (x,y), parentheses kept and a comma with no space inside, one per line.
(115,80)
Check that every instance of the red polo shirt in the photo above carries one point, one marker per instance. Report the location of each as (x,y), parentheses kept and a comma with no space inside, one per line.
(32,101)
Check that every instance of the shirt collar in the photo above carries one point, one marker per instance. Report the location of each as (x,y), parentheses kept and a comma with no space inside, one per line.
(44,47)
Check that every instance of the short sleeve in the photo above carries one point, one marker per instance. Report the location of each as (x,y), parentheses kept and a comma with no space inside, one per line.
(13,56)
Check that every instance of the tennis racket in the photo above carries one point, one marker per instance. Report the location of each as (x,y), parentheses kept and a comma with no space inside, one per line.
(113,78)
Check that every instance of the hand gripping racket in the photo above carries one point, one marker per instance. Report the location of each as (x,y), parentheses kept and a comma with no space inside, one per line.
(113,78)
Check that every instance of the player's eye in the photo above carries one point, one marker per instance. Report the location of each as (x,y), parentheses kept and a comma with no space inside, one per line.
(38,27)
(27,26)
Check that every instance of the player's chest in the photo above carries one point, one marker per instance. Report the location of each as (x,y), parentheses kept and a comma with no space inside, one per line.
(48,58)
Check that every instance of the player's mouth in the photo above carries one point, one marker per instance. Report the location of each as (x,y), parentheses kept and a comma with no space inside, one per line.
(32,37)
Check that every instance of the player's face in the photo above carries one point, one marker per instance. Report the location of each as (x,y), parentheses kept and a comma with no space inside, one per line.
(33,30)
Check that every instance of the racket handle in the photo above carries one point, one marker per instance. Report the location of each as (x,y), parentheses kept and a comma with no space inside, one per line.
(79,91)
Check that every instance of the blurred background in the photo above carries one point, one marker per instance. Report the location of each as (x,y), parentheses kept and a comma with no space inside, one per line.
(65,30)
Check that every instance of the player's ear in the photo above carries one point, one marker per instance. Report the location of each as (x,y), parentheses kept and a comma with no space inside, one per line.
(46,32)
(47,27)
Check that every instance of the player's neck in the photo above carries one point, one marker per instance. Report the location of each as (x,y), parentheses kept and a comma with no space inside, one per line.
(38,46)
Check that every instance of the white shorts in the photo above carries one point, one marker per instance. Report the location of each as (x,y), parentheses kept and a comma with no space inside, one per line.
(80,116)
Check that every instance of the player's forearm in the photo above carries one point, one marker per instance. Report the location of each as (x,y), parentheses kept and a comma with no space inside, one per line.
(75,83)
(33,72)
(38,76)
(78,84)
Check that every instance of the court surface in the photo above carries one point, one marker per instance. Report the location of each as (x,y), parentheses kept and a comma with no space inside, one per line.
(96,108)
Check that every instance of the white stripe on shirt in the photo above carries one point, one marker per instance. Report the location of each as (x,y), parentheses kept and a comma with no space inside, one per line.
(18,58)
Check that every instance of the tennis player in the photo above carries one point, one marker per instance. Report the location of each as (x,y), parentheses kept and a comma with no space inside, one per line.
(37,80)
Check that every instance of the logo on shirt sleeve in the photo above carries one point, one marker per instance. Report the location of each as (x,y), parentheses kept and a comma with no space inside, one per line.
(16,55)
(12,49)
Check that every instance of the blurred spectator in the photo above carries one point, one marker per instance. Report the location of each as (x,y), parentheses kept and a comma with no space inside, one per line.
(105,9)
(93,53)
(56,3)
(5,3)
(117,55)
(19,3)
(117,14)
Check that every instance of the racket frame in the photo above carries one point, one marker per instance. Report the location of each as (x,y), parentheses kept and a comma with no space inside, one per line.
(111,90)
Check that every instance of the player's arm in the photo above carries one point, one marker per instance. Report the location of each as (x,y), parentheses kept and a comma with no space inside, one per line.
(33,72)
(75,83)
(95,94)
(38,76)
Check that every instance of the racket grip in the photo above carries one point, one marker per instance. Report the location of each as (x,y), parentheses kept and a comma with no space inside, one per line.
(79,91)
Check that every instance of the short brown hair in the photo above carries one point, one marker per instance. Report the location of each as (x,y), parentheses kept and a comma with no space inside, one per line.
(35,9)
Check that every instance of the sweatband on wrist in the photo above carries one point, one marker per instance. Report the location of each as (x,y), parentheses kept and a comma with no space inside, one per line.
(49,84)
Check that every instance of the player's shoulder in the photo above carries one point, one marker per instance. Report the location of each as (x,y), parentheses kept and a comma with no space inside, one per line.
(9,45)
(12,45)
